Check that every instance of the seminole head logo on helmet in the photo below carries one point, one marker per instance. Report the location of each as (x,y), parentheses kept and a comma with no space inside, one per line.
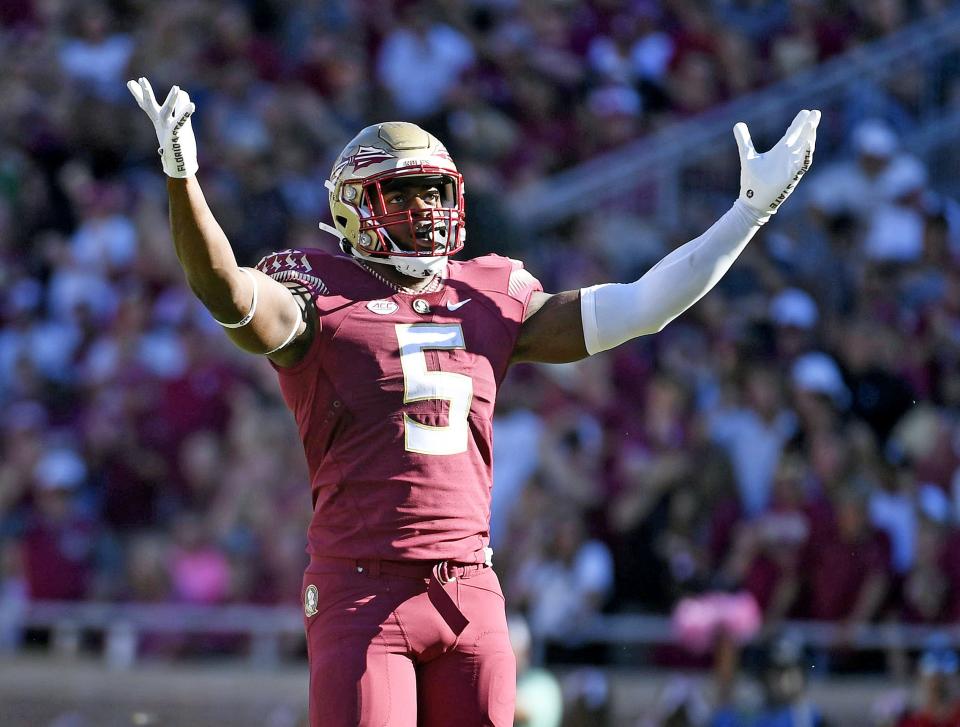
(381,159)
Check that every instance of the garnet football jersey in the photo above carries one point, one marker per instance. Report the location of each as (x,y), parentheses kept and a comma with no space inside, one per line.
(394,402)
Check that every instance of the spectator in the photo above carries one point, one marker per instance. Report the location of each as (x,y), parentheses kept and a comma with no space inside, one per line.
(518,431)
(795,316)
(649,471)
(767,555)
(199,571)
(14,596)
(539,697)
(859,186)
(896,230)
(147,568)
(928,590)
(880,393)
(59,539)
(421,61)
(570,457)
(893,509)
(938,704)
(567,582)
(754,432)
(849,570)
(95,56)
(783,677)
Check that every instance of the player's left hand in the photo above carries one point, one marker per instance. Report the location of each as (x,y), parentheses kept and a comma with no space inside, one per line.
(767,179)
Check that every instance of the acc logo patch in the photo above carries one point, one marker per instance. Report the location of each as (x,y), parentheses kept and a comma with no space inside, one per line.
(311,598)
(382,307)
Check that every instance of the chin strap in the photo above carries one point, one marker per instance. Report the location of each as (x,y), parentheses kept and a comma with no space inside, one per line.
(332,230)
(350,250)
(345,247)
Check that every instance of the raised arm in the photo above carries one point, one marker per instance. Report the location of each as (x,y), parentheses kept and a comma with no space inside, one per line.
(259,314)
(571,325)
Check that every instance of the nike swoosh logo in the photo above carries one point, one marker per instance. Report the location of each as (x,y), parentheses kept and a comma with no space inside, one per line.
(455,306)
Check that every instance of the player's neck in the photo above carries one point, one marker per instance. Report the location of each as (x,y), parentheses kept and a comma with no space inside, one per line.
(399,281)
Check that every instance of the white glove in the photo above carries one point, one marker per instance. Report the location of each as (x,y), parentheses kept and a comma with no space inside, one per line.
(178,146)
(767,179)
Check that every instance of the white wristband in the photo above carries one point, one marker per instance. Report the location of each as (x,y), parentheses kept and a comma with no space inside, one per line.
(253,306)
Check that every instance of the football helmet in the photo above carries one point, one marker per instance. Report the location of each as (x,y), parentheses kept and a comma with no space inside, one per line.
(378,157)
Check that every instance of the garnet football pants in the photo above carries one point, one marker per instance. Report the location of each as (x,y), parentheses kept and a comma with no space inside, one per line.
(391,646)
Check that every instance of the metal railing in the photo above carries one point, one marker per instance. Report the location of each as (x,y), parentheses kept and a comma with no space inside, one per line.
(636,629)
(123,626)
(657,163)
(266,629)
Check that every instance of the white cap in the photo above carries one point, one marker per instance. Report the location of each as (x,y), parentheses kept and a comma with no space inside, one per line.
(794,307)
(933,502)
(59,469)
(817,372)
(875,138)
(905,175)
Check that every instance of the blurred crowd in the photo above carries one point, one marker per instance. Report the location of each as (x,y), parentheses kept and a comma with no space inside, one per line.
(794,437)
(771,685)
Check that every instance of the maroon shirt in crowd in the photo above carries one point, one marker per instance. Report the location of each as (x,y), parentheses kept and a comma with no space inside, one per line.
(58,557)
(838,569)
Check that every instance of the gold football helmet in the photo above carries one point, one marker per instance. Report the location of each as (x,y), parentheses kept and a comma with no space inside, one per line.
(381,156)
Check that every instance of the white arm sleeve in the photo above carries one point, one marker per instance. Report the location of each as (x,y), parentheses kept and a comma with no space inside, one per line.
(616,312)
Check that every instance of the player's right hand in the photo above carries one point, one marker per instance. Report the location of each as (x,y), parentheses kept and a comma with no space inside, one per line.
(171,121)
(767,179)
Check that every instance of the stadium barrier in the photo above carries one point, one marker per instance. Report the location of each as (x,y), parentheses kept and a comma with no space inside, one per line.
(265,629)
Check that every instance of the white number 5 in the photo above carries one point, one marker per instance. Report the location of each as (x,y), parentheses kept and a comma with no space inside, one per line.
(420,384)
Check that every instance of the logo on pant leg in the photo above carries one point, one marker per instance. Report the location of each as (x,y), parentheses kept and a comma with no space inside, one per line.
(310,598)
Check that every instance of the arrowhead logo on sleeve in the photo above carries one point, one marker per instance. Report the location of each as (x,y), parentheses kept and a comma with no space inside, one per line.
(291,265)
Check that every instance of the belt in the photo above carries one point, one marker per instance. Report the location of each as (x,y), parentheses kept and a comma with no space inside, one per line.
(445,571)
(439,574)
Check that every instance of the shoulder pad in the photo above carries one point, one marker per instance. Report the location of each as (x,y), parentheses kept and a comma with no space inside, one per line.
(521,283)
(505,274)
(296,266)
(493,260)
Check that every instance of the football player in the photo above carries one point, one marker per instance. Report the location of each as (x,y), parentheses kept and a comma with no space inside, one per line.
(389,355)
